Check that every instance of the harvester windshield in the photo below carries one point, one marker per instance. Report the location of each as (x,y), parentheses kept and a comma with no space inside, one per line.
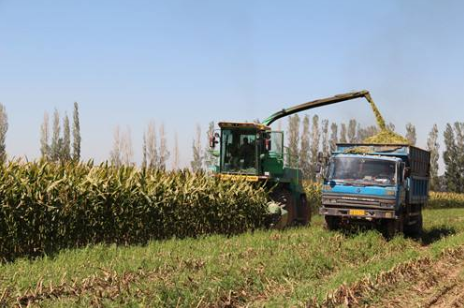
(239,151)
(364,171)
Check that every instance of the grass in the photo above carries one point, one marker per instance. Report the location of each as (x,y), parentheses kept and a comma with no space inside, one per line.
(277,269)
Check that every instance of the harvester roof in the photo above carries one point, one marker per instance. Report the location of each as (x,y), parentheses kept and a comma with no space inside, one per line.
(256,126)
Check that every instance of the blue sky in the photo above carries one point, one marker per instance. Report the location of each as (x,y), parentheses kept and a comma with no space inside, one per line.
(187,62)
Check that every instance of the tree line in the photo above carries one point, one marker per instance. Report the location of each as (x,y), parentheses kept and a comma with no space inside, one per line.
(155,150)
(59,146)
(306,137)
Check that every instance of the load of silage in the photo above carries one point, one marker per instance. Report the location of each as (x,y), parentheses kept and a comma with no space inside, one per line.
(358,150)
(385,136)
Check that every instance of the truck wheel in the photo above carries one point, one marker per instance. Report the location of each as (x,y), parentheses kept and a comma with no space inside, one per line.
(285,198)
(391,227)
(332,223)
(304,211)
(388,228)
(415,230)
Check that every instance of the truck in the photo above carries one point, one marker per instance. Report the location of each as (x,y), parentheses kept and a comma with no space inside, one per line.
(255,152)
(385,185)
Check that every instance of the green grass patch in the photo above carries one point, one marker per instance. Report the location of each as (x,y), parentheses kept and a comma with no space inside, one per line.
(272,268)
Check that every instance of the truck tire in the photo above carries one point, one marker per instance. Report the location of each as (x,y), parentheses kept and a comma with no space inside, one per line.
(388,228)
(304,211)
(285,198)
(332,223)
(392,227)
(415,230)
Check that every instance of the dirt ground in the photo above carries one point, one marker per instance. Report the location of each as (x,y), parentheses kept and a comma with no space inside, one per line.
(422,283)
(441,286)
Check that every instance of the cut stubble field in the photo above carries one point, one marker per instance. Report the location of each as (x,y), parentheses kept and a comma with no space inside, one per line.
(300,267)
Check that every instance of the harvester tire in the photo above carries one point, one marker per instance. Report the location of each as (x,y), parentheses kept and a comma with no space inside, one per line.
(285,198)
(304,211)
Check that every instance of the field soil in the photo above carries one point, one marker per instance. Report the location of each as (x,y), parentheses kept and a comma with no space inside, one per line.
(421,283)
(439,285)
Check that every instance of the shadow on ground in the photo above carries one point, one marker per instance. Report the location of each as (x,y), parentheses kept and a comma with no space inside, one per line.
(430,236)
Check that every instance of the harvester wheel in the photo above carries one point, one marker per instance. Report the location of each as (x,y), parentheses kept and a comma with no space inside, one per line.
(304,211)
(285,198)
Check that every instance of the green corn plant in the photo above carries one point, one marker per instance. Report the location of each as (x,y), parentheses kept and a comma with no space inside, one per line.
(45,207)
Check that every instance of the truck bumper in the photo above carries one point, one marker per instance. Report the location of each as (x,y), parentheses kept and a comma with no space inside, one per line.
(358,213)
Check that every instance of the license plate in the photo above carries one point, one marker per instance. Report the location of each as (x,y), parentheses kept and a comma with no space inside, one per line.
(357,212)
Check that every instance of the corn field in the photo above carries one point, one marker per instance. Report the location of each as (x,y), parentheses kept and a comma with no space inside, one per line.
(313,194)
(446,200)
(46,207)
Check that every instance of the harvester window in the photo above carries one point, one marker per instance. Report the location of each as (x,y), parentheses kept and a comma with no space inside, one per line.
(239,151)
(277,139)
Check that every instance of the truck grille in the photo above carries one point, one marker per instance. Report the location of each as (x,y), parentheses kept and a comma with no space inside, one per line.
(356,201)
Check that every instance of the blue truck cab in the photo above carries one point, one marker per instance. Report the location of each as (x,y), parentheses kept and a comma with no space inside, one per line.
(381,184)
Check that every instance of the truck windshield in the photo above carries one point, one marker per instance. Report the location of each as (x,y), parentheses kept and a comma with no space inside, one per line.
(238,151)
(362,170)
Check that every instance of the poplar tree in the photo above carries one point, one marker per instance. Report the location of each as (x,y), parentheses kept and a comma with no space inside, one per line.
(411,134)
(352,127)
(315,141)
(127,151)
(433,146)
(56,140)
(459,135)
(152,146)
(76,155)
(325,138)
(305,148)
(197,161)
(391,126)
(163,153)
(175,162)
(343,137)
(450,157)
(293,141)
(66,145)
(366,132)
(115,155)
(333,136)
(44,138)
(3,131)
(144,152)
